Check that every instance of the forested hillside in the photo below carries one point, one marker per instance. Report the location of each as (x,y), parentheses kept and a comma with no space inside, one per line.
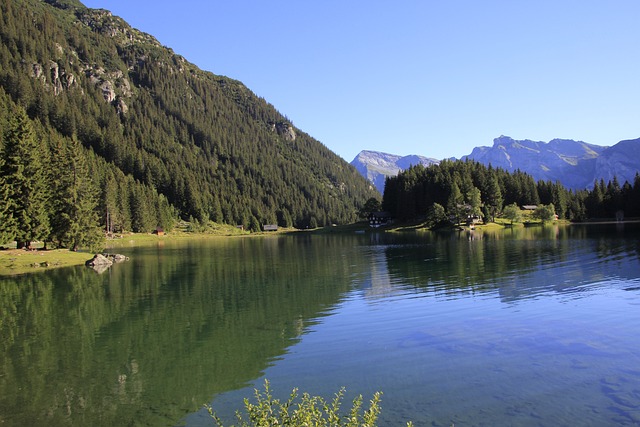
(158,137)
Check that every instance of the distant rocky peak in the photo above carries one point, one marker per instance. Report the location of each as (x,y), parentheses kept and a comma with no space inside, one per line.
(376,166)
(503,140)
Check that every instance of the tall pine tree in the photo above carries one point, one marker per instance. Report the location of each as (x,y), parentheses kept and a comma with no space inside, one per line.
(75,220)
(25,191)
(7,224)
(494,198)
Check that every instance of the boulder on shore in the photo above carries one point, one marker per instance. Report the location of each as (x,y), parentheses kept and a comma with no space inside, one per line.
(98,259)
(101,262)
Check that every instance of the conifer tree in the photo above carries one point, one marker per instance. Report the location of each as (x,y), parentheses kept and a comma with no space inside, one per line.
(7,224)
(216,211)
(25,182)
(559,199)
(576,210)
(110,208)
(634,197)
(75,219)
(455,202)
(595,201)
(494,197)
(284,218)
(143,214)
(165,213)
(474,200)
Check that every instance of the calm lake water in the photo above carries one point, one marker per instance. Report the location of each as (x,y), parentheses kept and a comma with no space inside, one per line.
(525,327)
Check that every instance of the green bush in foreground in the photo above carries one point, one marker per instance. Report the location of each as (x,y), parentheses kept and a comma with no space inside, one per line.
(304,411)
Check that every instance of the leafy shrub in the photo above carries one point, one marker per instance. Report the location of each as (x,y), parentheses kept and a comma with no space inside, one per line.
(305,410)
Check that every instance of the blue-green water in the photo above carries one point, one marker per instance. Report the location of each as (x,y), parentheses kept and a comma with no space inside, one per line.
(534,326)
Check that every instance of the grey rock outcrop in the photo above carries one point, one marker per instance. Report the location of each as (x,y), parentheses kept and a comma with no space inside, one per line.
(377,166)
(285,130)
(98,259)
(101,262)
(116,258)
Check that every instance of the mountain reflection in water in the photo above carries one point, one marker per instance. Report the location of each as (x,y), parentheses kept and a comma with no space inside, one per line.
(523,326)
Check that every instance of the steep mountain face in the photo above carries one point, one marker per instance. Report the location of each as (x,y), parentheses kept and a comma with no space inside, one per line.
(206,142)
(575,164)
(376,166)
(621,160)
(570,162)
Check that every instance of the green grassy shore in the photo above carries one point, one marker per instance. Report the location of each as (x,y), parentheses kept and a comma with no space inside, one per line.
(19,261)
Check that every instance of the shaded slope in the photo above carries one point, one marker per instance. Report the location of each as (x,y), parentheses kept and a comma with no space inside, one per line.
(206,142)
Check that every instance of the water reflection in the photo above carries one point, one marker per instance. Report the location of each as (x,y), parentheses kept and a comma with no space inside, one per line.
(442,322)
(518,263)
(153,339)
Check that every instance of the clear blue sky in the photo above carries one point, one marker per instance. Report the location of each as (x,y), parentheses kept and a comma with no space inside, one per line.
(435,78)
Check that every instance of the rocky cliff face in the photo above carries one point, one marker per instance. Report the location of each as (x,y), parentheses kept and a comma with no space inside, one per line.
(64,71)
(570,162)
(376,166)
(575,164)
(622,160)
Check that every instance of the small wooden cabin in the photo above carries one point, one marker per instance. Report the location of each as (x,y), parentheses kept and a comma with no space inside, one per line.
(379,219)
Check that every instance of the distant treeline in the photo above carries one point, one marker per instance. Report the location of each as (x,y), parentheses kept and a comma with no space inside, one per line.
(484,191)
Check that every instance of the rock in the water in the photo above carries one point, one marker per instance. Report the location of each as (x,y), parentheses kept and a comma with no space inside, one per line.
(116,257)
(99,259)
(99,263)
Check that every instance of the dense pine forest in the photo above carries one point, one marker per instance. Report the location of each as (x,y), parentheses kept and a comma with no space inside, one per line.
(104,128)
(463,189)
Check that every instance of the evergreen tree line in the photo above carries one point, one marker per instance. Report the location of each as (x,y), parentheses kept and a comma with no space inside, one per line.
(460,189)
(208,144)
(54,190)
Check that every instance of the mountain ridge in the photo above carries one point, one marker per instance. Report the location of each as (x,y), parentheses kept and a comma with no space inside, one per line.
(575,164)
(377,166)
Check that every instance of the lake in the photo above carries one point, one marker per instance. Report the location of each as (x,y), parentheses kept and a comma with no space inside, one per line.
(524,327)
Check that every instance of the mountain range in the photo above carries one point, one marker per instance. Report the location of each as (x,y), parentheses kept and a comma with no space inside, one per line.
(575,164)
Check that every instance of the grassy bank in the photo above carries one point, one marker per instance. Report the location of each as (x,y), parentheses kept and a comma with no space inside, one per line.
(19,261)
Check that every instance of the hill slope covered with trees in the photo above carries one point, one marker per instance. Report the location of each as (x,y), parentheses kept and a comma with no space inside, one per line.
(156,137)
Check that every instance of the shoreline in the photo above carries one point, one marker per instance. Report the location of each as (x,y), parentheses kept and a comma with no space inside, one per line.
(14,262)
